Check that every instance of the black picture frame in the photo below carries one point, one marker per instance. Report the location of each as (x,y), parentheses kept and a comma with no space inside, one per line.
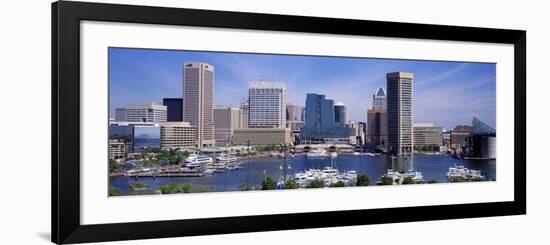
(66,17)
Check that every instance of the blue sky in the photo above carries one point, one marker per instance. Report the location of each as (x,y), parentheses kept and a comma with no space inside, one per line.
(445,93)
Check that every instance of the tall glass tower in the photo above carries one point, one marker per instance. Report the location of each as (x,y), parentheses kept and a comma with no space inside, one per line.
(320,123)
(400,112)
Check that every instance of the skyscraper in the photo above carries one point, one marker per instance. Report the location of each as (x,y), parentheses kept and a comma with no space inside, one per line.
(400,112)
(320,124)
(267,105)
(198,100)
(379,99)
(174,108)
(377,120)
(340,113)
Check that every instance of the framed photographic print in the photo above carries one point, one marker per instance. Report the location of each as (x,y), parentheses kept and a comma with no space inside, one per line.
(177,122)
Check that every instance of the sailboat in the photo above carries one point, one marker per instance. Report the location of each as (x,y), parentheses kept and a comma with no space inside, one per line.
(391,173)
(415,175)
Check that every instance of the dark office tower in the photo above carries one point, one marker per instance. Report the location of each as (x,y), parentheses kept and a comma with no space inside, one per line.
(174,109)
(400,112)
(340,113)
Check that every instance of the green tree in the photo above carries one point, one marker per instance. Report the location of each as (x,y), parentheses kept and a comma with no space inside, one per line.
(113,165)
(137,186)
(408,180)
(432,181)
(338,184)
(245,187)
(175,188)
(385,180)
(363,180)
(113,191)
(316,183)
(291,184)
(269,184)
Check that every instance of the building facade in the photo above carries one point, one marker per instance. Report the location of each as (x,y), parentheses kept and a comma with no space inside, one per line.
(320,123)
(117,149)
(226,119)
(482,143)
(459,135)
(295,126)
(267,105)
(243,118)
(358,132)
(377,130)
(400,112)
(137,136)
(262,136)
(377,121)
(294,116)
(426,135)
(379,99)
(177,135)
(293,112)
(141,113)
(174,109)
(198,100)
(340,113)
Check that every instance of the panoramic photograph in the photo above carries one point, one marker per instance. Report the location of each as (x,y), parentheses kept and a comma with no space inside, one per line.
(185,121)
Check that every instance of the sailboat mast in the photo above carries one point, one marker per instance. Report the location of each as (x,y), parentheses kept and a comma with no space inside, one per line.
(412,160)
(284,170)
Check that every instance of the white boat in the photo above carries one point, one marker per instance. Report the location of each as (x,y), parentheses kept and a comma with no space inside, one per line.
(413,173)
(398,177)
(317,153)
(195,160)
(208,171)
(393,175)
(461,174)
(370,154)
(329,175)
(226,159)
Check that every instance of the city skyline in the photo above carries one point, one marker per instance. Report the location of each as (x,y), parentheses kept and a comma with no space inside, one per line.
(446,93)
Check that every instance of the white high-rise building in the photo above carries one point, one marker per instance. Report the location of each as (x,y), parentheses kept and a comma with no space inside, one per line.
(267,105)
(198,100)
(400,112)
(141,113)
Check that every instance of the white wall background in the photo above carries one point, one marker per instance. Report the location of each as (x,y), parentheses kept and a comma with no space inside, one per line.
(25,120)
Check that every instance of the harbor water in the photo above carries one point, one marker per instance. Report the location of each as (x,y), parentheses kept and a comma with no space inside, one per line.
(255,171)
